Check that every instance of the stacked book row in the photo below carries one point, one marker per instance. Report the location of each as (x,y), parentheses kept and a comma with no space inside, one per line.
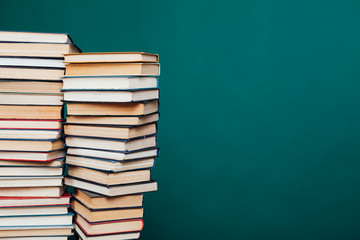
(33,204)
(110,129)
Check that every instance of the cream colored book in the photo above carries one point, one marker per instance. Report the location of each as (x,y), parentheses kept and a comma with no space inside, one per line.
(110,57)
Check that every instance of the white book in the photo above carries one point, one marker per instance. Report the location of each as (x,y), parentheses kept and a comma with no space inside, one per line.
(14,36)
(110,96)
(109,82)
(30,171)
(119,156)
(31,62)
(47,220)
(117,190)
(40,210)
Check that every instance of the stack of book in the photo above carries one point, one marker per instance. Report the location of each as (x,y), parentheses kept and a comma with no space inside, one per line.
(111,126)
(33,204)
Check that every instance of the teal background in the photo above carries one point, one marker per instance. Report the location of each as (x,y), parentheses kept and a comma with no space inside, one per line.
(259,128)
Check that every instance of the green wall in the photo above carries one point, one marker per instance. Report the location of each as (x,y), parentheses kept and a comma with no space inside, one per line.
(259,128)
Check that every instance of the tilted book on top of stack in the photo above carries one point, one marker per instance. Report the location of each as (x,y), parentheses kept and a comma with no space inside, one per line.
(32,148)
(111,127)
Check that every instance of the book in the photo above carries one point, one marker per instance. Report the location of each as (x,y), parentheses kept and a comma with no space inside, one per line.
(64,199)
(110,132)
(36,145)
(51,99)
(119,236)
(109,82)
(110,69)
(33,181)
(111,57)
(54,50)
(44,233)
(30,171)
(32,156)
(110,144)
(93,216)
(21,134)
(110,227)
(115,190)
(36,163)
(109,165)
(30,86)
(34,220)
(113,155)
(116,121)
(34,211)
(31,73)
(97,201)
(109,178)
(111,96)
(14,36)
(111,109)
(30,112)
(31,192)
(31,62)
(31,124)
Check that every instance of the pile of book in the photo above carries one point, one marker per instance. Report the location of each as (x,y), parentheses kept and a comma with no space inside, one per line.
(33,204)
(112,110)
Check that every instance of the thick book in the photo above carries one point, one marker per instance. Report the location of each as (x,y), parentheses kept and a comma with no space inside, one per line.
(118,236)
(35,220)
(33,210)
(35,145)
(115,121)
(109,178)
(30,112)
(95,215)
(64,199)
(31,62)
(32,156)
(53,50)
(109,82)
(30,171)
(110,227)
(95,201)
(115,190)
(114,155)
(31,192)
(31,99)
(109,165)
(31,124)
(36,232)
(110,144)
(111,57)
(31,73)
(32,163)
(105,96)
(33,181)
(109,132)
(30,86)
(15,36)
(111,109)
(110,69)
(25,134)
